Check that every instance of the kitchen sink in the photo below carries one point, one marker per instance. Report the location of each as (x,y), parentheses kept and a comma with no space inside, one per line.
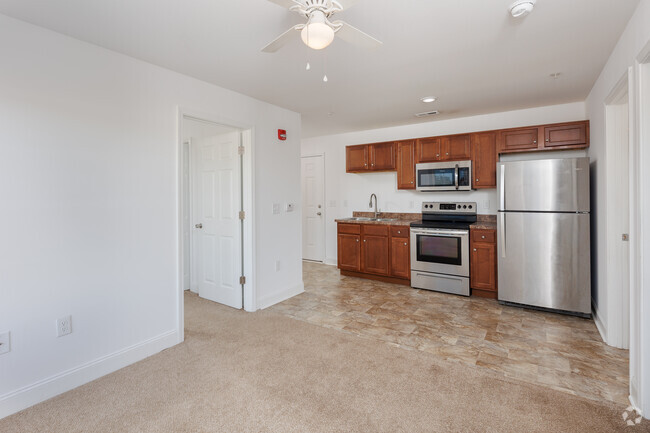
(369,219)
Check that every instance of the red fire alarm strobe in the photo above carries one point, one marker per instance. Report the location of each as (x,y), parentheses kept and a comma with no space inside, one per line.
(282,134)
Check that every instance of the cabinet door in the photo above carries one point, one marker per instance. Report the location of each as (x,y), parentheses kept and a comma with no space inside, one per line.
(382,156)
(375,255)
(455,147)
(406,164)
(571,134)
(400,265)
(484,160)
(513,140)
(349,252)
(483,266)
(356,158)
(428,149)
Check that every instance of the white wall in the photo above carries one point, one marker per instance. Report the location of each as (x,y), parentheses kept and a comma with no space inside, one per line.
(633,40)
(89,221)
(345,193)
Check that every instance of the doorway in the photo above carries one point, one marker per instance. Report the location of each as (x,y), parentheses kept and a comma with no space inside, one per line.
(617,136)
(313,207)
(215,212)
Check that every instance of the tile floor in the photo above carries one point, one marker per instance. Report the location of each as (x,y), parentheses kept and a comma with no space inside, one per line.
(561,352)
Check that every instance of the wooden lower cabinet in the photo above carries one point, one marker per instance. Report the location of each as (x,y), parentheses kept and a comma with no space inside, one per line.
(375,251)
(483,263)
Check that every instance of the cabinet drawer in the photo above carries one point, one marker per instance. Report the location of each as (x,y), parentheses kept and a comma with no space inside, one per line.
(485,236)
(399,231)
(352,229)
(375,230)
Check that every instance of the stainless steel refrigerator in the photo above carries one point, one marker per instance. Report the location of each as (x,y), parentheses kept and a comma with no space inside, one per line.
(543,234)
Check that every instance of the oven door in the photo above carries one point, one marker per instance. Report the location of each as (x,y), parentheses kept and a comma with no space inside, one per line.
(444,176)
(440,251)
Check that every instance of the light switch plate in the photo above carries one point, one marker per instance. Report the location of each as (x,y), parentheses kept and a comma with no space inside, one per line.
(64,326)
(5,346)
(290,207)
(276,208)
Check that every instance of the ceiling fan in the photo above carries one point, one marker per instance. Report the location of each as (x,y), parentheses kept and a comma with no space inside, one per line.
(319,31)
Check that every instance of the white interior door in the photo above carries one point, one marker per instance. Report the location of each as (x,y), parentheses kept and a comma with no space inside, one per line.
(313,208)
(217,227)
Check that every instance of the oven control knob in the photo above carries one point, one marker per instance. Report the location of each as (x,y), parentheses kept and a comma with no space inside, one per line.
(464,206)
(458,206)
(470,206)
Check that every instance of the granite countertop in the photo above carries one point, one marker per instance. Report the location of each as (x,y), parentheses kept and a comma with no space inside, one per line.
(396,219)
(485,222)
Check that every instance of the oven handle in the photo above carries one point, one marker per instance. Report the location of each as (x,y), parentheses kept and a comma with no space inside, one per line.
(456,177)
(440,233)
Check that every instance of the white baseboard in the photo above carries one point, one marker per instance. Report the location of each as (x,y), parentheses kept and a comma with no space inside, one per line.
(634,405)
(331,262)
(52,386)
(275,298)
(599,324)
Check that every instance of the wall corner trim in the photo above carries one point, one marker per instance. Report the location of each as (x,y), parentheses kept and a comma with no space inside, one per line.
(602,329)
(280,296)
(52,386)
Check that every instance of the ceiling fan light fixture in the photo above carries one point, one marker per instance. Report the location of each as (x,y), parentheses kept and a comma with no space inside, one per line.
(317,35)
(521,8)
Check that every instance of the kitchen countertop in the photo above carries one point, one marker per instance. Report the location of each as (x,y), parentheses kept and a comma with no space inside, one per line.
(485,222)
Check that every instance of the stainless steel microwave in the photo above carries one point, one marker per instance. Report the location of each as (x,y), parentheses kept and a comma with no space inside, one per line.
(444,176)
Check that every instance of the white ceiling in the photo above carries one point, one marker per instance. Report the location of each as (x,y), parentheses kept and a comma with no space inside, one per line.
(469,53)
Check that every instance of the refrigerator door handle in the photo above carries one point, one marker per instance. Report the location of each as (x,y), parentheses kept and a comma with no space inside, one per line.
(502,185)
(502,215)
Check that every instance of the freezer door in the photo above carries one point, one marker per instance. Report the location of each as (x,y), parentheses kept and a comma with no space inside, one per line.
(549,185)
(544,260)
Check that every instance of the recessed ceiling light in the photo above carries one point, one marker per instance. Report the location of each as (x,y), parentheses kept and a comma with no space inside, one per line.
(521,8)
(555,75)
(428,99)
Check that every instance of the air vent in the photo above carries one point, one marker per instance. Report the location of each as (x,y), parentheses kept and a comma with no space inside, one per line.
(427,113)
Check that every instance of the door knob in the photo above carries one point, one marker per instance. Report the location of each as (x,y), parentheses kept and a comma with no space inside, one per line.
(198,226)
(318,213)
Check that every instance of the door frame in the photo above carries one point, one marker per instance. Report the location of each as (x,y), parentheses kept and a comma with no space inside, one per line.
(617,330)
(324,226)
(248,194)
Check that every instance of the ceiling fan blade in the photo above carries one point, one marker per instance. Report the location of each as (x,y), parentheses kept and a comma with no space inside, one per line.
(282,40)
(355,36)
(284,3)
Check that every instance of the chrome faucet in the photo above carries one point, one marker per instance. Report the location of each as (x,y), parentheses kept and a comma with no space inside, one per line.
(370,204)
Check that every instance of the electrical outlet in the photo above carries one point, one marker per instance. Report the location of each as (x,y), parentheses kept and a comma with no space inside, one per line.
(345,203)
(332,203)
(277,266)
(63,326)
(5,347)
(276,208)
(486,204)
(290,207)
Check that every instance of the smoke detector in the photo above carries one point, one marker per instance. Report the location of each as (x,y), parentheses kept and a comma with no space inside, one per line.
(521,8)
(427,113)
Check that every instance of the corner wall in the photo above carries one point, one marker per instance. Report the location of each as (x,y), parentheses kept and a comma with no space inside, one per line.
(345,193)
(89,221)
(635,37)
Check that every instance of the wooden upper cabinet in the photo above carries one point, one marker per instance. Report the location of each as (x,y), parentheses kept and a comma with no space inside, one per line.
(382,156)
(356,158)
(574,134)
(427,149)
(406,164)
(516,140)
(455,148)
(484,160)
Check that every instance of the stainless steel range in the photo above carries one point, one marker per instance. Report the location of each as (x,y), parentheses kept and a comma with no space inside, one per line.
(440,247)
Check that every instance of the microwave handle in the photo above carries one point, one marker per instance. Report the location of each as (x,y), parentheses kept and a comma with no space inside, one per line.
(456,177)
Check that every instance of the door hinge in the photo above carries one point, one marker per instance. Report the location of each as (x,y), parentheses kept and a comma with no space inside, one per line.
(241,150)
(626,237)
(242,214)
(242,280)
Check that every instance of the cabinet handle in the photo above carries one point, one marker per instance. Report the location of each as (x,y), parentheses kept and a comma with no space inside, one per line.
(477,180)
(447,153)
(364,240)
(357,240)
(474,249)
(535,142)
(404,243)
(437,154)
(547,140)
(411,181)
(399,232)
(482,237)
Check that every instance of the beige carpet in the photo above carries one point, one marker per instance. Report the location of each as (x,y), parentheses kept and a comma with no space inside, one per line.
(263,372)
